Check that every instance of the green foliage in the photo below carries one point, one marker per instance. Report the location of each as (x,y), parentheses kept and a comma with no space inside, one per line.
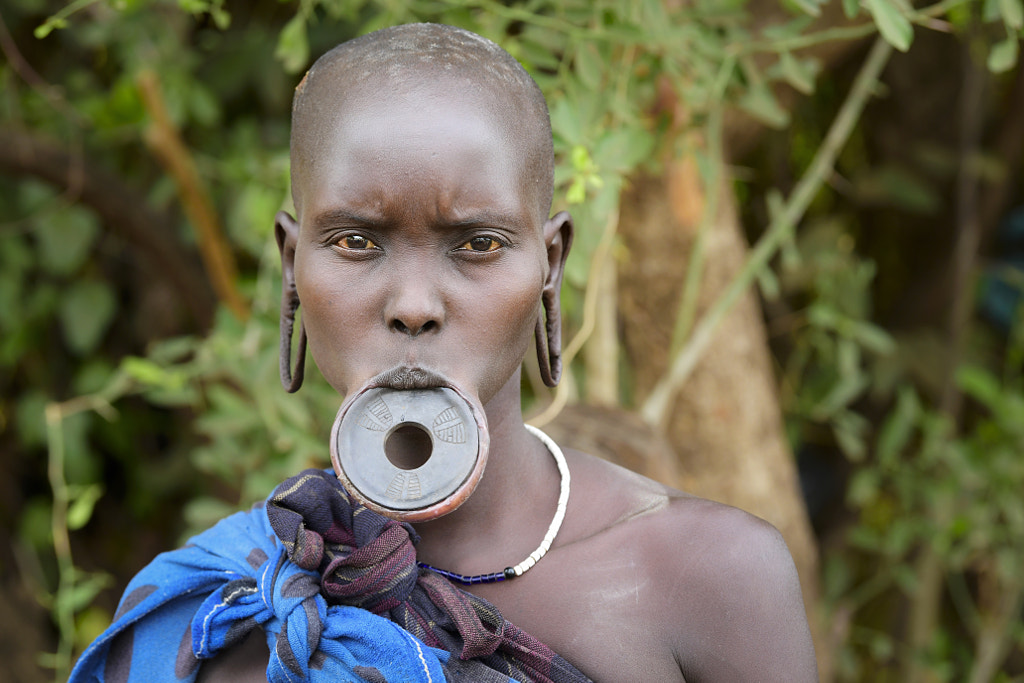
(255,434)
(958,495)
(835,343)
(70,301)
(923,486)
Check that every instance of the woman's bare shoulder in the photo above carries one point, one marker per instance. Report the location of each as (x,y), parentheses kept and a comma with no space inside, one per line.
(728,590)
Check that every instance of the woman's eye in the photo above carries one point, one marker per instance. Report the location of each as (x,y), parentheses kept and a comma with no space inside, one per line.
(481,244)
(356,242)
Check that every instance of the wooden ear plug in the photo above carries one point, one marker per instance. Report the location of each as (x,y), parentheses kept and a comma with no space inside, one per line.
(411,455)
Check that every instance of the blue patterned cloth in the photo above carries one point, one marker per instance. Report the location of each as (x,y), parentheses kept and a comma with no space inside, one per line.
(192,603)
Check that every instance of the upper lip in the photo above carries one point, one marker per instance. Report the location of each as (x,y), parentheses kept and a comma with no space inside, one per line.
(406,377)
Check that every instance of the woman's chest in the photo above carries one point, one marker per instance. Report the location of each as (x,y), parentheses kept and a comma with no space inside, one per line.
(602,614)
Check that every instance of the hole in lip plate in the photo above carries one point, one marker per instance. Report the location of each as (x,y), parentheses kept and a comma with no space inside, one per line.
(408,445)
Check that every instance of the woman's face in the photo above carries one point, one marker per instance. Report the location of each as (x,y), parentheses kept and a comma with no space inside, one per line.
(419,242)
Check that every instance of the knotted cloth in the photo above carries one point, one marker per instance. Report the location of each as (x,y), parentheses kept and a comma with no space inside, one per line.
(336,590)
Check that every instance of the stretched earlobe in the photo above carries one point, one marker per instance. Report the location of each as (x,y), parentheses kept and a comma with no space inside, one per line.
(286,232)
(548,334)
(558,232)
(292,381)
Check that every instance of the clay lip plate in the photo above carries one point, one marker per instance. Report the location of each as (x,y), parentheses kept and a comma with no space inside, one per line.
(458,433)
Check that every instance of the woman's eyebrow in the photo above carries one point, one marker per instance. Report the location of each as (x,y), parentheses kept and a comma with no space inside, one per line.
(332,218)
(484,219)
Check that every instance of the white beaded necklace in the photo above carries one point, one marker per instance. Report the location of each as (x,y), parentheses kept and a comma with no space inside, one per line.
(549,537)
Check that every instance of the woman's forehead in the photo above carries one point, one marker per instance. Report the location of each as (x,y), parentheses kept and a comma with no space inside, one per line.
(437,125)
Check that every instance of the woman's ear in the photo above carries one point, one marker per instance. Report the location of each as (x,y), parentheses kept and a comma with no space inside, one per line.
(558,239)
(286,231)
(558,233)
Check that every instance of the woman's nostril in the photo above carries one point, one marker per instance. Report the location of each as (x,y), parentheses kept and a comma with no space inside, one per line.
(413,330)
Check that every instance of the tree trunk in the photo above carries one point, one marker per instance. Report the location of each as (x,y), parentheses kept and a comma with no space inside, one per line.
(726,424)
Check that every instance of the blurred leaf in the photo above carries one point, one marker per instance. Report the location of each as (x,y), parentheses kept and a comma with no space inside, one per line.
(203,105)
(82,506)
(980,385)
(850,429)
(149,373)
(863,487)
(173,350)
(768,284)
(85,313)
(898,428)
(533,54)
(293,45)
(194,6)
(906,578)
(991,10)
(881,647)
(122,106)
(81,465)
(790,29)
(94,374)
(809,7)
(797,73)
(90,625)
(896,186)
(85,589)
(577,191)
(624,149)
(1003,55)
(894,27)
(589,65)
(873,338)
(760,103)
(30,419)
(1013,13)
(35,525)
(844,392)
(565,122)
(65,238)
(50,25)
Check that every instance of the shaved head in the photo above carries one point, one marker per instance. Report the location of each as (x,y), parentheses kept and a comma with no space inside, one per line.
(421,61)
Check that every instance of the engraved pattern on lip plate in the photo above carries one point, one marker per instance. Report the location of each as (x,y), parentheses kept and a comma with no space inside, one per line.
(449,427)
(377,416)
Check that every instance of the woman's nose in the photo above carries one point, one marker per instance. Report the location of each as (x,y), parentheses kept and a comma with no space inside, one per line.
(415,306)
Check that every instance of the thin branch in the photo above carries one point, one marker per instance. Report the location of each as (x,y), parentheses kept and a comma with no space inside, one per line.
(165,140)
(61,538)
(69,577)
(656,409)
